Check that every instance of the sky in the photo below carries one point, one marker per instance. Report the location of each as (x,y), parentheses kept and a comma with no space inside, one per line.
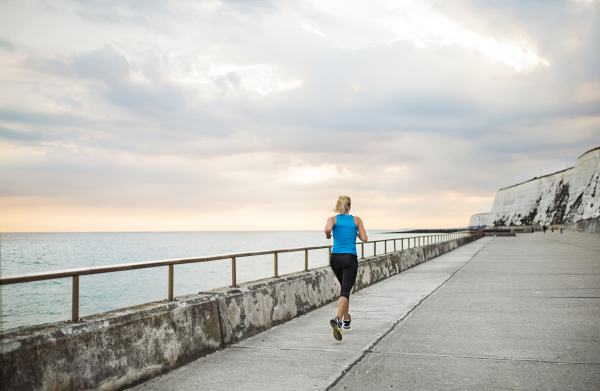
(256,115)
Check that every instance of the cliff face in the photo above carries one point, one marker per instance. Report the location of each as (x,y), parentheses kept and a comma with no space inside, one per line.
(564,197)
(478,220)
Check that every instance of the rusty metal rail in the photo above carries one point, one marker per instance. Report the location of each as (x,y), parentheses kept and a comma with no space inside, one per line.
(417,241)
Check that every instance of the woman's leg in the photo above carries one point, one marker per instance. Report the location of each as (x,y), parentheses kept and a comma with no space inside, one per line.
(348,280)
(336,265)
(343,305)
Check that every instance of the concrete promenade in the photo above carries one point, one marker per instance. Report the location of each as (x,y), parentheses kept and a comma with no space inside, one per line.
(504,313)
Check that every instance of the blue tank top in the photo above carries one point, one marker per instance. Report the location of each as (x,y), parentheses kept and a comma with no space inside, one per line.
(344,235)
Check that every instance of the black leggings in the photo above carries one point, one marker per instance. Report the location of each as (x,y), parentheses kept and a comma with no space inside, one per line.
(345,267)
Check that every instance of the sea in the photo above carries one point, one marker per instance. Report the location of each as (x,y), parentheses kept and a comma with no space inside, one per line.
(36,303)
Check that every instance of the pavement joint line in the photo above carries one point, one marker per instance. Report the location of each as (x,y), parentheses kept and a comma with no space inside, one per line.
(491,358)
(548,274)
(301,349)
(369,348)
(562,297)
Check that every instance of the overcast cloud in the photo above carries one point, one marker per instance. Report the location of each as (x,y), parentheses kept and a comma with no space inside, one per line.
(256,115)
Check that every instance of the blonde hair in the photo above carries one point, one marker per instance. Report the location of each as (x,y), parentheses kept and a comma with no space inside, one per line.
(342,205)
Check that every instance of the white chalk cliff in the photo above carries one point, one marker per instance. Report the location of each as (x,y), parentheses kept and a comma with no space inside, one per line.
(564,197)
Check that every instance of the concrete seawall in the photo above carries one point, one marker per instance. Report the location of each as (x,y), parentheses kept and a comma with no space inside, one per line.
(590,226)
(119,348)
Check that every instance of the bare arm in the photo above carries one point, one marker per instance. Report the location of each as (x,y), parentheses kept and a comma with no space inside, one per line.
(362,233)
(329,226)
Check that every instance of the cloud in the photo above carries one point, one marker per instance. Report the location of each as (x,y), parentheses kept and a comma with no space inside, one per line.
(305,174)
(66,100)
(377,23)
(6,45)
(104,64)
(11,134)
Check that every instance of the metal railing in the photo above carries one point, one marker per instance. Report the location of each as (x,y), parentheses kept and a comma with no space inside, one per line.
(417,241)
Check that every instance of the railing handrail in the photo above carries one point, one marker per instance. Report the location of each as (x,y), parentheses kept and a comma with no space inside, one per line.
(75,273)
(141,265)
(50,275)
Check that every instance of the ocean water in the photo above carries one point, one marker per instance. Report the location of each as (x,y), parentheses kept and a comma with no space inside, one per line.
(35,303)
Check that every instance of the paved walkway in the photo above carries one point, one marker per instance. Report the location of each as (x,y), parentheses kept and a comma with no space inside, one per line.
(501,313)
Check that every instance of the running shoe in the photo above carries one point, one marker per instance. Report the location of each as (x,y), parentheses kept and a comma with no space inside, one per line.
(337,328)
(347,322)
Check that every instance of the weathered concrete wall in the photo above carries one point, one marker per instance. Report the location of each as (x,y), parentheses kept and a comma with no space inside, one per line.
(121,348)
(257,306)
(564,197)
(591,226)
(112,349)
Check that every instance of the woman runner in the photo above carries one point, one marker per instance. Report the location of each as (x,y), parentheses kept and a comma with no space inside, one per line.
(344,261)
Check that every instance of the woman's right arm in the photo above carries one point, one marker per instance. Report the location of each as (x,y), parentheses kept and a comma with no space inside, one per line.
(329,227)
(362,233)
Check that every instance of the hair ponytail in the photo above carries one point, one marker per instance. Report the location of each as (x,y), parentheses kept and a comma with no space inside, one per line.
(342,206)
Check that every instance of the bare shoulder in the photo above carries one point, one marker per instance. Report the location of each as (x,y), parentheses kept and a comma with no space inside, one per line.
(357,220)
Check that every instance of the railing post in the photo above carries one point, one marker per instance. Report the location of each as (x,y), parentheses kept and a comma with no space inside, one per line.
(330,255)
(394,245)
(385,246)
(402,244)
(171,272)
(305,260)
(374,248)
(75,306)
(233,273)
(275,266)
(362,251)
